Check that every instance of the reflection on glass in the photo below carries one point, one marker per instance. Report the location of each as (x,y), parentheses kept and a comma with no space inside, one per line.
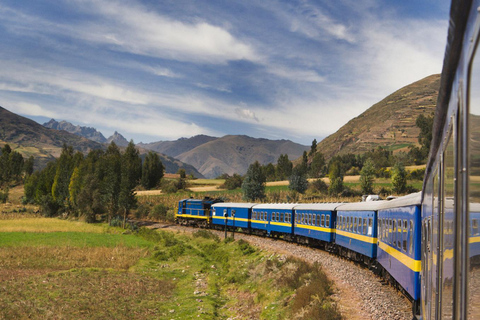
(448,235)
(474,190)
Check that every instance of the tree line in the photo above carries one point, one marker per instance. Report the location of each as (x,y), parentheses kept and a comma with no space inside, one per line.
(370,165)
(101,181)
(13,169)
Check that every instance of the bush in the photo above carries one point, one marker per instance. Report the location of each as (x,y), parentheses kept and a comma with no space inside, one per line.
(142,211)
(4,196)
(417,174)
(320,186)
(233,182)
(206,235)
(159,212)
(245,247)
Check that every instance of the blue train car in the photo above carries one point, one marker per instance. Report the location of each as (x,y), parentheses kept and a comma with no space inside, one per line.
(356,231)
(236,215)
(474,236)
(194,211)
(274,219)
(316,221)
(399,241)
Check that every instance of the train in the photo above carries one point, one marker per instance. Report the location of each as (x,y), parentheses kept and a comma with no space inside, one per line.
(427,244)
(383,235)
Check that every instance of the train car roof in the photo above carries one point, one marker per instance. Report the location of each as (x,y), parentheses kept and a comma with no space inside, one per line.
(361,206)
(279,206)
(234,205)
(408,200)
(318,206)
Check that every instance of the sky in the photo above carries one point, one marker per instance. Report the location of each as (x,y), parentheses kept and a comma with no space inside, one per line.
(157,70)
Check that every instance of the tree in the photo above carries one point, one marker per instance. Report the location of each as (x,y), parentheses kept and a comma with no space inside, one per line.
(28,166)
(425,136)
(336,178)
(399,178)
(253,185)
(269,171)
(298,180)
(367,176)
(313,148)
(317,165)
(233,182)
(131,170)
(62,175)
(152,170)
(110,178)
(284,167)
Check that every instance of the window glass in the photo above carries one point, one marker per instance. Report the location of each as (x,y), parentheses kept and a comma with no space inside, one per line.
(327,224)
(474,182)
(394,233)
(355,224)
(410,240)
(404,235)
(365,226)
(322,220)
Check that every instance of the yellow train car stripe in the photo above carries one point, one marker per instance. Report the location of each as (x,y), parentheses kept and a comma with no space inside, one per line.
(474,239)
(412,264)
(323,229)
(357,236)
(283,224)
(230,218)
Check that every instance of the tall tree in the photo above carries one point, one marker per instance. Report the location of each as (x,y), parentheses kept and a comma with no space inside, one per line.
(284,167)
(131,174)
(28,166)
(425,136)
(253,185)
(367,176)
(63,173)
(269,171)
(399,178)
(317,165)
(336,178)
(313,148)
(152,170)
(298,180)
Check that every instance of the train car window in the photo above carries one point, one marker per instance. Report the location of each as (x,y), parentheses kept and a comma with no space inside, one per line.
(328,221)
(475,231)
(410,239)
(399,234)
(394,233)
(310,219)
(355,225)
(365,226)
(322,220)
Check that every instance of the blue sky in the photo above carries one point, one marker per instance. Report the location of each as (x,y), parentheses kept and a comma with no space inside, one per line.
(165,69)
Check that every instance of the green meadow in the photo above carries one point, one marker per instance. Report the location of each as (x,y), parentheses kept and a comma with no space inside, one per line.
(59,269)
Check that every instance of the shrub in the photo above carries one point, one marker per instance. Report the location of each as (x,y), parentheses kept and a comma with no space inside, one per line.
(159,212)
(320,186)
(206,235)
(4,196)
(245,247)
(142,211)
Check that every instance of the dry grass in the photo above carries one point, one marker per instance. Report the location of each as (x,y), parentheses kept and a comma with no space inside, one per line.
(47,258)
(104,294)
(47,225)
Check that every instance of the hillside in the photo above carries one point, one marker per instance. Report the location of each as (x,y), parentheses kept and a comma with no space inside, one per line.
(389,123)
(33,139)
(177,147)
(233,154)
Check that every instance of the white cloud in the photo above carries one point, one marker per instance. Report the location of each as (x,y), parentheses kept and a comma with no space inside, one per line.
(295,74)
(31,109)
(134,29)
(246,114)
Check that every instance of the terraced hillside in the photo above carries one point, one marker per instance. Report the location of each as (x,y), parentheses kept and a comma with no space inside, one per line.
(389,123)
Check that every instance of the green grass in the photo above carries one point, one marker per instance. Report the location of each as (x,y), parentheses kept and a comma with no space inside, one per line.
(148,275)
(70,239)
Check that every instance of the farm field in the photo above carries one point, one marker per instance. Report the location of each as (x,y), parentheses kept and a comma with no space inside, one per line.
(54,268)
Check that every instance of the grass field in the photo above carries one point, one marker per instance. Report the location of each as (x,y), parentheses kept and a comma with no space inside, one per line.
(58,269)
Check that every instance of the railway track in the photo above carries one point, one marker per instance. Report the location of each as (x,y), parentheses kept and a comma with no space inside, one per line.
(359,293)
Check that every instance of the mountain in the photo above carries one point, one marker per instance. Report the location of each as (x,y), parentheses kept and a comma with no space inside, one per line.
(44,144)
(177,147)
(86,132)
(389,123)
(118,139)
(233,154)
(32,139)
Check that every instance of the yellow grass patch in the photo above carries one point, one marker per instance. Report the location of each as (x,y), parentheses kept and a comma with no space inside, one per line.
(47,225)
